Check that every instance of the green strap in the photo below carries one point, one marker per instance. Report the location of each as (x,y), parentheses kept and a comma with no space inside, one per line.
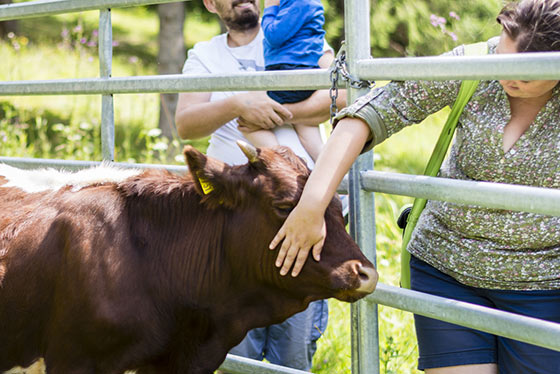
(465,92)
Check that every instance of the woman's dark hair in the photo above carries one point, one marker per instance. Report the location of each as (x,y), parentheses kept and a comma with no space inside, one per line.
(533,24)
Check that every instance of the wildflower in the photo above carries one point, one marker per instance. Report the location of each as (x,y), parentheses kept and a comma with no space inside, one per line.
(64,33)
(133,60)
(115,43)
(86,126)
(437,21)
(11,35)
(95,33)
(452,14)
(78,29)
(453,36)
(154,133)
(83,41)
(160,146)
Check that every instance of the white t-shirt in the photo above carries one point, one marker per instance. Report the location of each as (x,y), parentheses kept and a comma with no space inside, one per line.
(216,57)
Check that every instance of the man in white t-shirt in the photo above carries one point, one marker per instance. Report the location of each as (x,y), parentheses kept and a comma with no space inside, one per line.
(199,114)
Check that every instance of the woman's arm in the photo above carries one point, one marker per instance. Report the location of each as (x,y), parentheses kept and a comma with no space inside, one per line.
(304,229)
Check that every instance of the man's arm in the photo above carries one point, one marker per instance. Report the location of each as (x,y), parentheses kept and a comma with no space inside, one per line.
(196,116)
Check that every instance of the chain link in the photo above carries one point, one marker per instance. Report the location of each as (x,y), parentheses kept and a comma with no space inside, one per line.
(333,92)
(341,70)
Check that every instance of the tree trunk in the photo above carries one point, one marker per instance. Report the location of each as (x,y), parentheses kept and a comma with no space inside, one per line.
(171,56)
(7,26)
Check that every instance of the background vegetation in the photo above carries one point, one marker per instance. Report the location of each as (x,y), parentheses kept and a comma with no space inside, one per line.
(67,127)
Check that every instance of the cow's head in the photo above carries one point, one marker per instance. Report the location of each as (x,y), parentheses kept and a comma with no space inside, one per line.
(259,196)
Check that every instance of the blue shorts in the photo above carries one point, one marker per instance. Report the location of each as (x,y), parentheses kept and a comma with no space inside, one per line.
(288,97)
(291,343)
(443,344)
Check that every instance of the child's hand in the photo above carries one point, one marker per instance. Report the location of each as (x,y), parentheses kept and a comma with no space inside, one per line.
(268,3)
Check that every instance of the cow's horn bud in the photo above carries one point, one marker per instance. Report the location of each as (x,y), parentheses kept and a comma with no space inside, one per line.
(249,151)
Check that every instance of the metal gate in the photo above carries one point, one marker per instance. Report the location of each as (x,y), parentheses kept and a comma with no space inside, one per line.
(362,181)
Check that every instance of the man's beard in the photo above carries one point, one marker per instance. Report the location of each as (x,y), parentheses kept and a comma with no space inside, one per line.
(247,20)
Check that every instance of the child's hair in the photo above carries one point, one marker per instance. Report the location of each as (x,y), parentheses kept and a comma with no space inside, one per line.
(533,24)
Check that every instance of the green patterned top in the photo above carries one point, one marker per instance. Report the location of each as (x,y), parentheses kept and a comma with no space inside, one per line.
(480,247)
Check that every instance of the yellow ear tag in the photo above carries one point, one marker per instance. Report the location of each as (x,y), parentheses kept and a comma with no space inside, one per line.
(206,186)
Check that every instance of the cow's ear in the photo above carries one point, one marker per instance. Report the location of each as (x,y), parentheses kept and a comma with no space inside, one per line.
(210,177)
(203,170)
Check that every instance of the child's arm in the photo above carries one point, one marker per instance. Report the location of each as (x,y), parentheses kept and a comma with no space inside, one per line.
(280,24)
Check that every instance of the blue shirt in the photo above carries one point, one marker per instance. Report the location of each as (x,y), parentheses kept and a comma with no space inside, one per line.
(293,32)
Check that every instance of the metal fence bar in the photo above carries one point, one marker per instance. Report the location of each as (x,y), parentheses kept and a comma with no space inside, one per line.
(52,7)
(509,325)
(70,165)
(492,195)
(258,81)
(524,66)
(542,65)
(241,365)
(364,324)
(105,70)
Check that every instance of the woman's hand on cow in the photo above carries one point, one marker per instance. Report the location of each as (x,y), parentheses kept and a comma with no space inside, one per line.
(256,111)
(303,230)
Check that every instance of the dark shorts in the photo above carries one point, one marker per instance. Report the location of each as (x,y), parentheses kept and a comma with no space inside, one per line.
(443,344)
(288,97)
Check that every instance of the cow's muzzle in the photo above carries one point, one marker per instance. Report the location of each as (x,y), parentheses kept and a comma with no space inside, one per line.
(368,279)
(360,280)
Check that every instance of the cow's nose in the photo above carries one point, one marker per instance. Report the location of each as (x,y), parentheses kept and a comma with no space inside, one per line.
(368,277)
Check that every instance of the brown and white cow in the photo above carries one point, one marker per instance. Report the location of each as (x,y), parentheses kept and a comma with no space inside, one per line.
(157,272)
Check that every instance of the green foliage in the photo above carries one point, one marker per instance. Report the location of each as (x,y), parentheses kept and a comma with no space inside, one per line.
(405,27)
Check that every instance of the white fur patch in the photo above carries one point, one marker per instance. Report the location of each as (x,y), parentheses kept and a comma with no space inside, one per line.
(50,179)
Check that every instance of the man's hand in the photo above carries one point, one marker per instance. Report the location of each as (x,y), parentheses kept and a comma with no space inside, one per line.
(268,3)
(258,111)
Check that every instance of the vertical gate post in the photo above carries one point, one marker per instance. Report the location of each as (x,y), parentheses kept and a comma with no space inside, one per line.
(365,340)
(105,70)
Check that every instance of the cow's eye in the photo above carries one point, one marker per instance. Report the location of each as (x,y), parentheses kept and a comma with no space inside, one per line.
(283,209)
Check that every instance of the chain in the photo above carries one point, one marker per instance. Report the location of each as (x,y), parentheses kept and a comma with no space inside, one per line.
(341,70)
(333,92)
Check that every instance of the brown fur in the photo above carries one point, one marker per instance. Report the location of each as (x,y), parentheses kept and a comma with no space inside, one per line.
(152,273)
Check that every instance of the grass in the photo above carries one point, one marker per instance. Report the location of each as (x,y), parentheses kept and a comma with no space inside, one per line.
(67,127)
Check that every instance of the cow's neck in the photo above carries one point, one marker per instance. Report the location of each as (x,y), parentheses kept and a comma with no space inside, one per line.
(179,240)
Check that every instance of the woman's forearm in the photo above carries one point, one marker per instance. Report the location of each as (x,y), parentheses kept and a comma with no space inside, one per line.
(341,150)
(304,229)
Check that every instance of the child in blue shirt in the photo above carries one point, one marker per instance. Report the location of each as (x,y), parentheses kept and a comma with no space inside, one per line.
(293,39)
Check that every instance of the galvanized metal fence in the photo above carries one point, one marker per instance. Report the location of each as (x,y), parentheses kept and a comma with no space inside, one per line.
(362,181)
